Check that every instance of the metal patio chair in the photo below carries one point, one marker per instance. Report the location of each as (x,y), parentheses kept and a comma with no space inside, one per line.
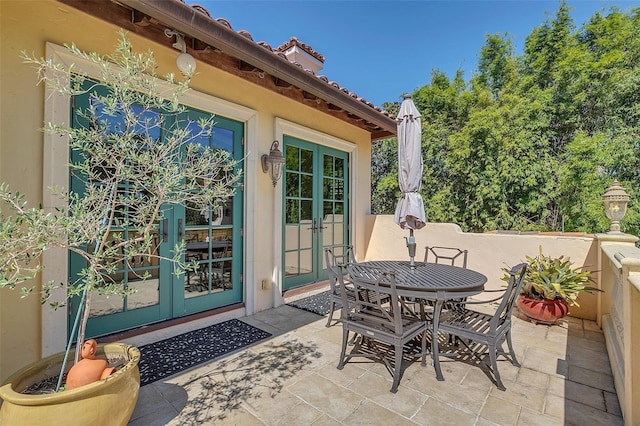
(489,330)
(450,255)
(337,257)
(378,321)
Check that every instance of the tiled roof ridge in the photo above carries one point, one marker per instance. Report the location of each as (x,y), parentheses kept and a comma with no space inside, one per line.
(279,52)
(293,41)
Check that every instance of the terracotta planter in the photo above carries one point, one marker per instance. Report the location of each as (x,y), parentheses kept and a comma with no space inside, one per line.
(111,400)
(542,310)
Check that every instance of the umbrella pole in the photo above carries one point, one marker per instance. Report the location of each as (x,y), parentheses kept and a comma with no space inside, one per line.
(411,245)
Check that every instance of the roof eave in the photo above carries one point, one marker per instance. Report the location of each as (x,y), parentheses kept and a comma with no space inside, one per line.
(189,21)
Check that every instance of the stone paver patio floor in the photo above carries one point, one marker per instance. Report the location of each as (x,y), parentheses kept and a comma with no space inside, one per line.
(292,379)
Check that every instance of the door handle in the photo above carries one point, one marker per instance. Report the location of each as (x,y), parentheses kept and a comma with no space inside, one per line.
(313,226)
(320,226)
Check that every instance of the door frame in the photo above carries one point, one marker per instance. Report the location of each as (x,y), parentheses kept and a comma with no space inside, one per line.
(317,235)
(285,127)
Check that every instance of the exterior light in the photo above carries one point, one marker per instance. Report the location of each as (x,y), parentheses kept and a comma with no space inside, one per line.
(615,201)
(185,62)
(273,163)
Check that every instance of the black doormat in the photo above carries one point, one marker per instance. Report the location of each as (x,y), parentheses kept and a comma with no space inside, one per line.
(318,303)
(170,356)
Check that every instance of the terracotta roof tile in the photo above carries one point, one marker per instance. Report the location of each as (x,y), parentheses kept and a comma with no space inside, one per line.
(279,51)
(246,34)
(201,9)
(224,22)
(293,41)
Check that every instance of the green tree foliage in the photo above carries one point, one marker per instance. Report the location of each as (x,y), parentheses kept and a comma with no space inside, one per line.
(531,142)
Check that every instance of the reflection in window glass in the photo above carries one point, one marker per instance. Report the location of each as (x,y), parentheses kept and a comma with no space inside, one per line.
(339,189)
(306,161)
(339,168)
(306,261)
(223,139)
(327,188)
(327,209)
(148,123)
(306,212)
(306,186)
(292,157)
(328,165)
(197,135)
(292,183)
(292,211)
(292,264)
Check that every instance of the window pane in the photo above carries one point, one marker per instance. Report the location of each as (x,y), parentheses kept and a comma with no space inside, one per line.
(223,139)
(293,181)
(328,165)
(292,237)
(327,209)
(292,211)
(305,210)
(339,170)
(327,188)
(306,161)
(292,157)
(306,186)
(291,262)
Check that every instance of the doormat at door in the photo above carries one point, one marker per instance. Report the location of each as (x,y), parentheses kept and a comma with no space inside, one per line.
(170,356)
(318,303)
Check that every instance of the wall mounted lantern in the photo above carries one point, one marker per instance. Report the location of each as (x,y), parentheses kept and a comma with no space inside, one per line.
(185,62)
(615,201)
(273,163)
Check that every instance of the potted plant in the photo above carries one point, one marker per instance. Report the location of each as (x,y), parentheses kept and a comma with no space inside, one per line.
(128,177)
(550,286)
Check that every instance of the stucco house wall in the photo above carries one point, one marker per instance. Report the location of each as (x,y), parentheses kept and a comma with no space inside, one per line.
(29,331)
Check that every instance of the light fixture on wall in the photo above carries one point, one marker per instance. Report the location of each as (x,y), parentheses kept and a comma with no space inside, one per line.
(273,163)
(615,201)
(185,62)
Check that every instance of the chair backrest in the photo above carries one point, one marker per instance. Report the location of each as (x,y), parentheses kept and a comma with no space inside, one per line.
(376,297)
(339,255)
(336,258)
(450,255)
(503,313)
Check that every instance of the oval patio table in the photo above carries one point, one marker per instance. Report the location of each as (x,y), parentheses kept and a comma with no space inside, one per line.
(435,282)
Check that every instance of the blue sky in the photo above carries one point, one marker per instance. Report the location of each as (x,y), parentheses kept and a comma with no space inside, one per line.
(382,49)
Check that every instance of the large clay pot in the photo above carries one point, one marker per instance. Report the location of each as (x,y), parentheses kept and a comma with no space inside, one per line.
(544,311)
(109,401)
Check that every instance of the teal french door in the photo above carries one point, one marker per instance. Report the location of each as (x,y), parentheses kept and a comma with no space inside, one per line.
(213,242)
(316,209)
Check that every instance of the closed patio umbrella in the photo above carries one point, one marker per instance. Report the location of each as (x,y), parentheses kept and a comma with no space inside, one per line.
(410,209)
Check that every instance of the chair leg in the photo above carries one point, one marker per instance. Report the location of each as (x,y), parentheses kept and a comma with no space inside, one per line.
(424,348)
(333,307)
(343,352)
(494,366)
(514,361)
(397,369)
